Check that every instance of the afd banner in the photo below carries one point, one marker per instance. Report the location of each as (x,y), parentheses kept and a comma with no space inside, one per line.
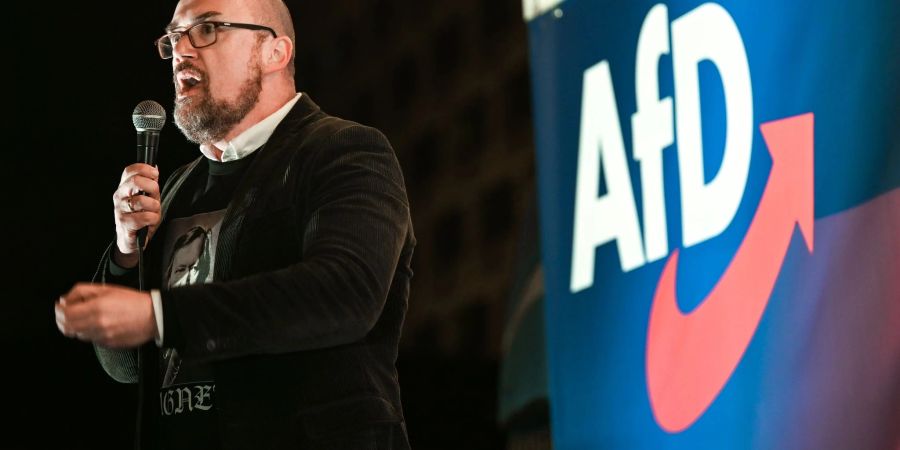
(719,192)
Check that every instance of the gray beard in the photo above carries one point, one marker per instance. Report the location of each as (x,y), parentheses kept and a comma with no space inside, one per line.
(203,119)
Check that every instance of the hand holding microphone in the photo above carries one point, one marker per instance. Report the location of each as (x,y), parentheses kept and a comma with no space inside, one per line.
(116,316)
(136,202)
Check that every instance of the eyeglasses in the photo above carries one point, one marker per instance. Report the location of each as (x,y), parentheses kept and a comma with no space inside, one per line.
(201,35)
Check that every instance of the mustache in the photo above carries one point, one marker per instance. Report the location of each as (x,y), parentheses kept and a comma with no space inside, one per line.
(184,65)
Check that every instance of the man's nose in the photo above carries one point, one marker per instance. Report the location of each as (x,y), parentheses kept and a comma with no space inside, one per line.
(183,49)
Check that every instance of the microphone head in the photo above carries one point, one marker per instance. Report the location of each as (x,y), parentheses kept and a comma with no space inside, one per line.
(148,116)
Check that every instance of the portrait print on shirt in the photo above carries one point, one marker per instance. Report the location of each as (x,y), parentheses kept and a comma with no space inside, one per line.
(189,257)
(190,249)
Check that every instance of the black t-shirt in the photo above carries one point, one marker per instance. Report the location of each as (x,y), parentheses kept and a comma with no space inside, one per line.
(187,395)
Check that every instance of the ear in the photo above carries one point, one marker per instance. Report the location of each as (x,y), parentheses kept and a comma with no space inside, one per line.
(278,54)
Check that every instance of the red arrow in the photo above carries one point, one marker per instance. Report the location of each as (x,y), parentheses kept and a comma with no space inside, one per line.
(691,356)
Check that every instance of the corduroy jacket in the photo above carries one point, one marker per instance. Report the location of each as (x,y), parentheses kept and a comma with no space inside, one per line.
(302,320)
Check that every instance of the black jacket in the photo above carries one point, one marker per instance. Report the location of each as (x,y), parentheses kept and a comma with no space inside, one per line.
(302,320)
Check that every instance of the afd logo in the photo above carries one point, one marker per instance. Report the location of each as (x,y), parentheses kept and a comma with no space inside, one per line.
(689,357)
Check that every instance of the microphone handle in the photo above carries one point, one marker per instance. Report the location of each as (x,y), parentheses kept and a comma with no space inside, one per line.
(147,143)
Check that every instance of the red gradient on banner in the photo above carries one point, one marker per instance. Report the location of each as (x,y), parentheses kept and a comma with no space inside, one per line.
(690,357)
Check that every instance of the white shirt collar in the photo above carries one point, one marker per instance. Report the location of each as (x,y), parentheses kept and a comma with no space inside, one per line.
(251,139)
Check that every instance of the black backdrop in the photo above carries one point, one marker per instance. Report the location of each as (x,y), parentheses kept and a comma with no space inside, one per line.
(78,70)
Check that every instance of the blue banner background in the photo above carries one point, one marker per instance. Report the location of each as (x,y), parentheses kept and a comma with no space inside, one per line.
(839,60)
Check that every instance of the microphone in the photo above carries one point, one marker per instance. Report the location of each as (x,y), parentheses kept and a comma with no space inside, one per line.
(148,119)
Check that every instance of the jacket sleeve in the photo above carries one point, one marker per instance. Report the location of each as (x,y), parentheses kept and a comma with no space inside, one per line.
(353,235)
(122,364)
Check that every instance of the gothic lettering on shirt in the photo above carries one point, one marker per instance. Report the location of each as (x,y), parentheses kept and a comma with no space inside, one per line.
(186,399)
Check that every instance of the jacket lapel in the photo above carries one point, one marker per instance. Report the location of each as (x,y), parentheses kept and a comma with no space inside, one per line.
(271,159)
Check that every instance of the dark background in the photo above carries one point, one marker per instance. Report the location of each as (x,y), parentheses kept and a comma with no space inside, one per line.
(446,81)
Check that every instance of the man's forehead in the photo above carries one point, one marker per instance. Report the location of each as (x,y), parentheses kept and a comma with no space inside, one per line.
(192,11)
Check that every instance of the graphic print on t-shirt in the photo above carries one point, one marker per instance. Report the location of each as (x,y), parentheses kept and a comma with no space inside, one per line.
(187,393)
(189,254)
(190,248)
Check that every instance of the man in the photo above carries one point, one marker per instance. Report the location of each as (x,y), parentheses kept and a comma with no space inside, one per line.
(292,343)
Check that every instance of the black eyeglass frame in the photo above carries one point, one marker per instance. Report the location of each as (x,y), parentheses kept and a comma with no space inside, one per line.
(187,32)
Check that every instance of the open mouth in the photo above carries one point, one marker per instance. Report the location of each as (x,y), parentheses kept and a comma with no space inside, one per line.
(188,79)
